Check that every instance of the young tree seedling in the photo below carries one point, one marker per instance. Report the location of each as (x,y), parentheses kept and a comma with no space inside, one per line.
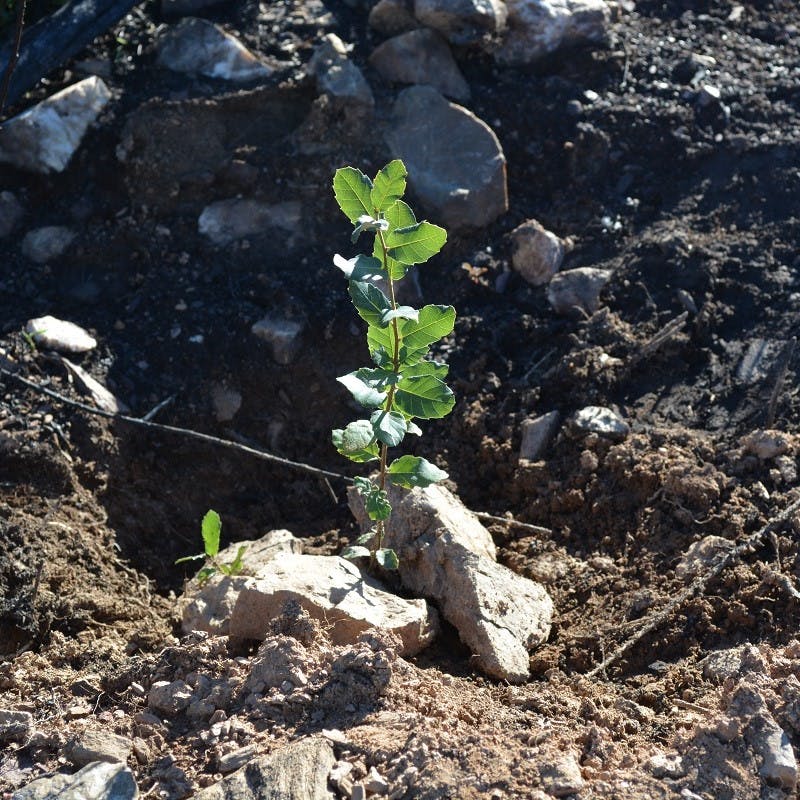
(210,530)
(404,384)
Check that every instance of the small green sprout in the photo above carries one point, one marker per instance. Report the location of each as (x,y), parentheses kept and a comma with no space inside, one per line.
(210,529)
(402,383)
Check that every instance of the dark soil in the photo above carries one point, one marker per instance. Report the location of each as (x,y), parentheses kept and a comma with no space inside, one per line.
(693,209)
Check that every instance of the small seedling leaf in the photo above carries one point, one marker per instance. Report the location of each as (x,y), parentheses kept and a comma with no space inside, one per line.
(424,396)
(204,574)
(360,268)
(387,558)
(370,302)
(366,538)
(347,442)
(355,551)
(389,185)
(414,428)
(362,392)
(377,505)
(352,189)
(398,215)
(416,243)
(401,312)
(388,427)
(367,223)
(434,322)
(411,471)
(191,558)
(237,564)
(211,529)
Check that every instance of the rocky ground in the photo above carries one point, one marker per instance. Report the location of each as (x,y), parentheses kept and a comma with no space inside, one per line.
(624,364)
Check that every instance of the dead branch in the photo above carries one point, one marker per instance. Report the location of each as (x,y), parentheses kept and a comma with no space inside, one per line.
(660,338)
(697,586)
(14,55)
(513,523)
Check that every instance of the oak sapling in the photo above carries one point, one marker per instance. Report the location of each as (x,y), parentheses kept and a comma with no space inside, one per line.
(211,530)
(403,384)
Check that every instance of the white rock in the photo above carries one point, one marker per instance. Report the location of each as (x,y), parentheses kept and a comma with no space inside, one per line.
(448,556)
(50,333)
(537,434)
(537,253)
(98,781)
(562,777)
(461,177)
(700,555)
(226,221)
(44,138)
(462,21)
(44,244)
(92,745)
(225,401)
(102,397)
(332,590)
(283,336)
(577,289)
(169,698)
(603,421)
(230,762)
(198,47)
(779,766)
(537,28)
(338,76)
(11,212)
(661,765)
(15,725)
(734,661)
(768,444)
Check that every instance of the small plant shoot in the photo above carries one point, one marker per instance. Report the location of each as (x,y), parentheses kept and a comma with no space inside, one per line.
(211,530)
(402,384)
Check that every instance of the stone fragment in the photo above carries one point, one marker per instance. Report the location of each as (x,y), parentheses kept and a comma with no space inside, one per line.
(283,336)
(44,244)
(297,771)
(169,698)
(577,290)
(94,745)
(15,726)
(701,555)
(50,333)
(767,444)
(102,397)
(537,253)
(225,401)
(562,777)
(461,177)
(278,660)
(98,781)
(375,783)
(448,556)
(420,57)
(661,765)
(332,590)
(537,434)
(232,761)
(462,22)
(779,765)
(198,47)
(337,76)
(45,137)
(226,221)
(602,421)
(208,608)
(11,212)
(733,662)
(537,28)
(391,17)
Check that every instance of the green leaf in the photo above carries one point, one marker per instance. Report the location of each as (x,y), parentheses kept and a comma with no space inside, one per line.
(237,564)
(388,427)
(360,268)
(367,223)
(389,185)
(367,537)
(210,528)
(204,574)
(401,312)
(399,215)
(380,379)
(362,392)
(411,471)
(433,368)
(414,428)
(348,442)
(415,243)
(352,189)
(377,505)
(387,558)
(370,302)
(434,322)
(355,551)
(424,396)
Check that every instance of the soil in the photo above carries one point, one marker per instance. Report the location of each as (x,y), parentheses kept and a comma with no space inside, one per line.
(694,208)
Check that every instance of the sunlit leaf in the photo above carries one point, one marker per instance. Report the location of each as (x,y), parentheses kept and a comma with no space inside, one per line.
(389,185)
(415,244)
(389,427)
(387,558)
(211,528)
(411,471)
(352,189)
(424,396)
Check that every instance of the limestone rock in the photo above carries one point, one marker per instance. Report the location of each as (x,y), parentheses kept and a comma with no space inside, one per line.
(460,177)
(701,555)
(537,254)
(332,590)
(733,662)
(44,244)
(563,777)
(767,444)
(93,746)
(198,47)
(779,765)
(537,435)
(11,212)
(420,57)
(297,771)
(226,221)
(50,333)
(283,336)
(101,396)
(45,137)
(98,781)
(448,556)
(15,725)
(577,290)
(170,698)
(391,17)
(338,76)
(462,22)
(208,608)
(602,421)
(537,28)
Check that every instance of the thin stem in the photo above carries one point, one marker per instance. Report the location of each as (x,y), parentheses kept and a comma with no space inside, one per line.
(14,57)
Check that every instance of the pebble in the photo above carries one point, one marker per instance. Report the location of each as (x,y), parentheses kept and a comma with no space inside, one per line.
(44,244)
(375,783)
(537,434)
(230,762)
(462,22)
(51,333)
(662,765)
(15,725)
(94,745)
(563,777)
(169,698)
(392,17)
(337,76)
(779,766)
(767,444)
(602,421)
(537,253)
(577,290)
(283,336)
(225,401)
(227,221)
(701,555)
